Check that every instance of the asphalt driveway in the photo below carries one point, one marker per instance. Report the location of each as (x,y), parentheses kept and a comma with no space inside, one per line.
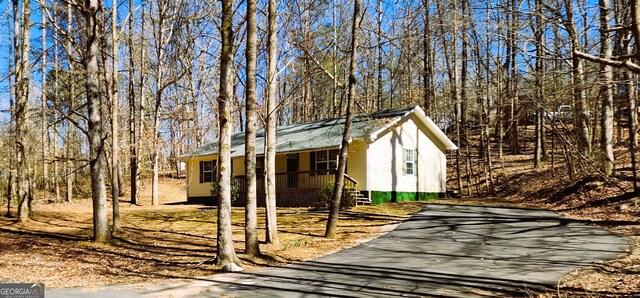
(444,250)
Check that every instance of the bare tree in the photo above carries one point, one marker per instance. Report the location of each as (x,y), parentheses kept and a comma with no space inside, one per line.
(133,139)
(270,143)
(606,89)
(512,79)
(539,90)
(251,225)
(332,223)
(226,255)
(427,80)
(101,230)
(43,107)
(577,82)
(165,23)
(21,111)
(14,59)
(379,53)
(54,145)
(142,101)
(115,107)
(69,172)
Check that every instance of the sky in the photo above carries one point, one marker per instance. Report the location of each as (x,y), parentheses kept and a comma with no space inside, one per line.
(389,6)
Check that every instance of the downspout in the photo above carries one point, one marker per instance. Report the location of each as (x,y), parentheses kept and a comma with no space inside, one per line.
(417,161)
(187,179)
(367,173)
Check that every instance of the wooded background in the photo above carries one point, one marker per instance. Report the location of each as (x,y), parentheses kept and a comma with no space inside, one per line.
(122,89)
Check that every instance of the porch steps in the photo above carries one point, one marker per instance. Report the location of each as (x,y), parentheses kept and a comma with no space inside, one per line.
(359,197)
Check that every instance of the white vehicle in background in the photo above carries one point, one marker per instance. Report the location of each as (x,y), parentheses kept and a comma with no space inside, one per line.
(563,114)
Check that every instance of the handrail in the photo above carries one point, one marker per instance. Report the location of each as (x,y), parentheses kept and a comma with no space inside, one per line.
(314,172)
(354,181)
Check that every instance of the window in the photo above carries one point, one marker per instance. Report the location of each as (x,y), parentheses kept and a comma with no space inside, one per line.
(260,166)
(409,161)
(207,171)
(324,160)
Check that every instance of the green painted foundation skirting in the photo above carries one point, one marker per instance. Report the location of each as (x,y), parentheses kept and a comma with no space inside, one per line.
(381,197)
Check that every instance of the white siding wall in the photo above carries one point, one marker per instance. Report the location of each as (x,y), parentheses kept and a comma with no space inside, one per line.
(386,160)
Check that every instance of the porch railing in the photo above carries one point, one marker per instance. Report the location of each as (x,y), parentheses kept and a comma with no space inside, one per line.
(295,188)
(292,181)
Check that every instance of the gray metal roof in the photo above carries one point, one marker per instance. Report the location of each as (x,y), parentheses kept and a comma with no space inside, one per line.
(311,135)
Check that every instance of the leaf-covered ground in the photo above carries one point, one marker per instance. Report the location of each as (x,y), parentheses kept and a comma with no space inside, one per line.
(174,240)
(168,241)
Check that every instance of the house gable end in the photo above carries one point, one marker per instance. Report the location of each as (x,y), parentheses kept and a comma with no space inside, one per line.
(424,123)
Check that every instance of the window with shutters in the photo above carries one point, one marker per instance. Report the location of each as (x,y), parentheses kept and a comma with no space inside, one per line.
(409,161)
(207,171)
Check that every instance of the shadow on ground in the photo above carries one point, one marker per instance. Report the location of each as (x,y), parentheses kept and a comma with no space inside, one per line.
(443,251)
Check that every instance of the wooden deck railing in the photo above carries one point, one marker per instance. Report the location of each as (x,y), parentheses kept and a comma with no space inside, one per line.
(296,188)
(293,181)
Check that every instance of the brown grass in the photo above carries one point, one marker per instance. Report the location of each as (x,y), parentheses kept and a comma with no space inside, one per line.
(167,241)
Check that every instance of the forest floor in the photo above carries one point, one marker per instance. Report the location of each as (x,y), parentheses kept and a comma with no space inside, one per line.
(172,240)
(178,240)
(604,202)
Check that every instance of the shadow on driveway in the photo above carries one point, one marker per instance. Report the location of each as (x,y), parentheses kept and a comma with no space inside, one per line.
(442,251)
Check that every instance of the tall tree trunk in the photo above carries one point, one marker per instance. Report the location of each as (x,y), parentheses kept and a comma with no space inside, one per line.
(539,92)
(577,81)
(334,91)
(250,212)
(159,76)
(456,96)
(115,107)
(452,73)
(606,89)
(69,172)
(463,88)
(101,229)
(485,110)
(14,59)
(54,152)
(630,81)
(155,158)
(226,255)
(23,73)
(142,102)
(44,129)
(270,143)
(133,149)
(379,52)
(513,78)
(427,61)
(332,222)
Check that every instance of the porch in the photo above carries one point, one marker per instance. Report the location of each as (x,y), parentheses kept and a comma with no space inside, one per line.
(297,189)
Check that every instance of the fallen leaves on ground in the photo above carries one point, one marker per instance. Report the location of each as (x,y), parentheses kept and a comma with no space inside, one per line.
(168,241)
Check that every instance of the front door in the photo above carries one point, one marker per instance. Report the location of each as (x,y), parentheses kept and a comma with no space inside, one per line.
(292,170)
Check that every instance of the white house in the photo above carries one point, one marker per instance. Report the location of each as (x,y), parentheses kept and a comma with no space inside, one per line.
(394,155)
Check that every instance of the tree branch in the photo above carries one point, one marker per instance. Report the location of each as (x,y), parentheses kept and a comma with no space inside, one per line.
(616,63)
